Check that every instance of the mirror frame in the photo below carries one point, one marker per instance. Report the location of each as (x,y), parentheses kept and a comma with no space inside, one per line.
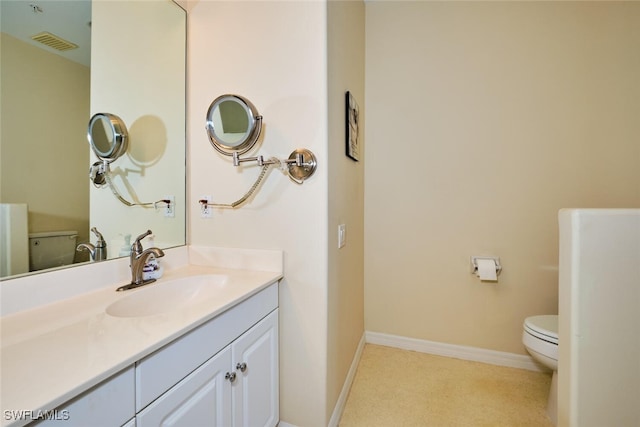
(252,134)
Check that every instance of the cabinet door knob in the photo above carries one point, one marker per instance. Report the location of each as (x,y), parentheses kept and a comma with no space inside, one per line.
(231,376)
(242,366)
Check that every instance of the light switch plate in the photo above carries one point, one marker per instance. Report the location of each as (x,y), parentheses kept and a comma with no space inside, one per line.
(342,235)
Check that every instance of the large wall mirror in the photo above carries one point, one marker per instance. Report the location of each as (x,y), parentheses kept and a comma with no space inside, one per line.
(122,57)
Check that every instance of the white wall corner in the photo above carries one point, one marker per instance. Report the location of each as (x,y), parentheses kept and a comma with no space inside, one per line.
(475,354)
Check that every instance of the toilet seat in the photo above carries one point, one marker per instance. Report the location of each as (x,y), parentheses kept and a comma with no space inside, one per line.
(540,337)
(544,327)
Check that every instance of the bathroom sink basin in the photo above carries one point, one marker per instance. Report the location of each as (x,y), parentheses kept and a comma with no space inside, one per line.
(164,296)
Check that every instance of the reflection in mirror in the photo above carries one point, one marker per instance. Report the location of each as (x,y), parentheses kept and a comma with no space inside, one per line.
(144,84)
(45,107)
(138,71)
(108,136)
(233,124)
(101,141)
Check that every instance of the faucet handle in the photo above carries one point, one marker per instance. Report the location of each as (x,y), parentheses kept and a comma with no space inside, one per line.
(95,231)
(136,247)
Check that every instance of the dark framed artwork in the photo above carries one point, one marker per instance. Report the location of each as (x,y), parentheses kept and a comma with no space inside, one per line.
(353,127)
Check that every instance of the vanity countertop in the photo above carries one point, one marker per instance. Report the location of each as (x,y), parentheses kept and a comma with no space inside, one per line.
(52,353)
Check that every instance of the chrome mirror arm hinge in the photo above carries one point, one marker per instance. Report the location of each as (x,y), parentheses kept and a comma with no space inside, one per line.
(297,158)
(258,159)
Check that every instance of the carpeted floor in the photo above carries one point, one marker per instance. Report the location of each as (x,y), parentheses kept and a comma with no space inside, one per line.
(395,387)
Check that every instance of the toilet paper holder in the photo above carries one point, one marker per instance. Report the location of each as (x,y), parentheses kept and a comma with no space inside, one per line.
(474,263)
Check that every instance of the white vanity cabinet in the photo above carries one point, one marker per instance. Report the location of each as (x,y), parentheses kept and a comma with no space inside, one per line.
(236,387)
(224,373)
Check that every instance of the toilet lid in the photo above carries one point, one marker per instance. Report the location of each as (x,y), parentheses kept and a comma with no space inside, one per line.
(544,327)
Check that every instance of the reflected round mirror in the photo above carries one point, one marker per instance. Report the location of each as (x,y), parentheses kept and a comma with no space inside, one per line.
(233,124)
(108,136)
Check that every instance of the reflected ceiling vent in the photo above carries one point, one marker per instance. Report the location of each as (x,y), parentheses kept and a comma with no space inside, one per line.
(54,41)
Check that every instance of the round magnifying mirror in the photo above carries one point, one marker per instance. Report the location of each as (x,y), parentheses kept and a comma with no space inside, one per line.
(233,124)
(108,136)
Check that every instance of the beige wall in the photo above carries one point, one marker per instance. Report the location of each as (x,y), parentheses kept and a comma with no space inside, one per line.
(273,53)
(345,35)
(44,153)
(483,120)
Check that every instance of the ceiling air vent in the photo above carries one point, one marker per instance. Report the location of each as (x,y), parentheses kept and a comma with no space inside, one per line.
(54,41)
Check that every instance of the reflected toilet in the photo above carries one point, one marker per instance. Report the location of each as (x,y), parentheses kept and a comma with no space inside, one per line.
(51,249)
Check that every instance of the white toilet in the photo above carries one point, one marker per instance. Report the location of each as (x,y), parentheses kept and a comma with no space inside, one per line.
(51,249)
(540,337)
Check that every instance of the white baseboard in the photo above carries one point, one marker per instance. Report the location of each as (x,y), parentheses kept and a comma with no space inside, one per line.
(342,399)
(456,351)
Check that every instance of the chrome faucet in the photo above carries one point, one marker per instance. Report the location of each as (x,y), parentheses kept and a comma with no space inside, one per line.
(98,251)
(138,258)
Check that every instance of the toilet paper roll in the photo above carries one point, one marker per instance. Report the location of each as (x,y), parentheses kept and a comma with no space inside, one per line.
(487,269)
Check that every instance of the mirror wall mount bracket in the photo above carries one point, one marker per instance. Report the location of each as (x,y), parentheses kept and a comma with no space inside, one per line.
(233,126)
(300,165)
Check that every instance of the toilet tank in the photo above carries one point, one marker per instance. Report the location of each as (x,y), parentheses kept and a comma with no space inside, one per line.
(51,249)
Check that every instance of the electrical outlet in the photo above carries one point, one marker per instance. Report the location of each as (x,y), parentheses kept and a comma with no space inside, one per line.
(205,210)
(170,209)
(342,235)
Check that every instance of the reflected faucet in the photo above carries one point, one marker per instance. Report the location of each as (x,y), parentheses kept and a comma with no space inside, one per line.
(138,258)
(98,251)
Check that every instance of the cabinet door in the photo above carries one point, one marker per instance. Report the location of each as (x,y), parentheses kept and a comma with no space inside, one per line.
(255,391)
(201,399)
